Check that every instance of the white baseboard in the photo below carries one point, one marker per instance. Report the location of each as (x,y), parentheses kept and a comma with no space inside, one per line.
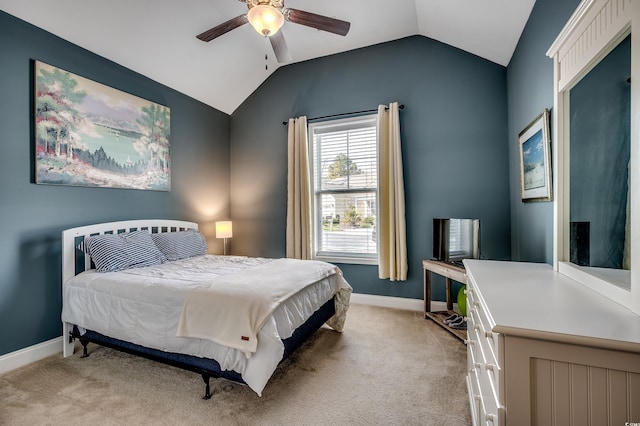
(34,353)
(396,302)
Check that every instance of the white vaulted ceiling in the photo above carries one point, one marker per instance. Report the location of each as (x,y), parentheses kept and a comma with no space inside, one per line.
(156,38)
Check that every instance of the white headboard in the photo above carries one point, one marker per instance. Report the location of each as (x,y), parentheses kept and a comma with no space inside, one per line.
(71,266)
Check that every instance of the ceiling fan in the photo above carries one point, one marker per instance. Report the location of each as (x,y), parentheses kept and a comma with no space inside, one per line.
(268,16)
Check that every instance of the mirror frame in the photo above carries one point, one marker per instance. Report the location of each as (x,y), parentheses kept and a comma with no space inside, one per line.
(595,29)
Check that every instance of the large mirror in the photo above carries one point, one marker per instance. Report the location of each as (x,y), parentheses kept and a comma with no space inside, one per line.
(595,132)
(599,154)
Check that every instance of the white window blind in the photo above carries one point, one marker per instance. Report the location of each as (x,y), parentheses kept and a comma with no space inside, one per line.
(345,184)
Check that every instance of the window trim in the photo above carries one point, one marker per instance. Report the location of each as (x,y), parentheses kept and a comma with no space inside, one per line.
(347,123)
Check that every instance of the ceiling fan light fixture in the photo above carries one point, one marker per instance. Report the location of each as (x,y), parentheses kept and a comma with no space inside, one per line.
(265,19)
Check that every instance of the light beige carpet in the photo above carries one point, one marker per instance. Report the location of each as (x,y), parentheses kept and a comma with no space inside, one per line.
(389,367)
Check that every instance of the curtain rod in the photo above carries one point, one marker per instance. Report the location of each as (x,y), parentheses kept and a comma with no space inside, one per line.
(344,113)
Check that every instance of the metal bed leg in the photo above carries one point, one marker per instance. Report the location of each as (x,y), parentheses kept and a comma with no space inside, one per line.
(85,342)
(207,391)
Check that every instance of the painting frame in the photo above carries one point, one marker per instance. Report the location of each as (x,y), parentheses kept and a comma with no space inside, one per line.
(534,145)
(92,135)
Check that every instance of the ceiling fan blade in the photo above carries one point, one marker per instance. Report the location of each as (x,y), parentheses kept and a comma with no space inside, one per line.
(280,48)
(316,21)
(223,28)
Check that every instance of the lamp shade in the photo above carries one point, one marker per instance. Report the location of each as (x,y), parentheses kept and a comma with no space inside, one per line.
(224,229)
(265,19)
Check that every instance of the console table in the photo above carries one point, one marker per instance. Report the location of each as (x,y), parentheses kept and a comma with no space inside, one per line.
(450,272)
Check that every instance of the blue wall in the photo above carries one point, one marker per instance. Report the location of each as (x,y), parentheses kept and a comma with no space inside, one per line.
(33,216)
(459,132)
(454,136)
(530,91)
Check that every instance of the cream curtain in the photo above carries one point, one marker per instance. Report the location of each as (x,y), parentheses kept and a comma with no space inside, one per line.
(298,192)
(392,240)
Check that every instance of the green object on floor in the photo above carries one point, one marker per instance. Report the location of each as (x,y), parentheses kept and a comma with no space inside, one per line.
(462,300)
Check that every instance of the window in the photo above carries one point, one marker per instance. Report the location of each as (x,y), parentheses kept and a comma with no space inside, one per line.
(344,169)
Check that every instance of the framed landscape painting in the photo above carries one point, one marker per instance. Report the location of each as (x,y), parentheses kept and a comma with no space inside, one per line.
(89,134)
(535,160)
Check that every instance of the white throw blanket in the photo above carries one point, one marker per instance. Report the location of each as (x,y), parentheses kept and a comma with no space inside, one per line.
(232,309)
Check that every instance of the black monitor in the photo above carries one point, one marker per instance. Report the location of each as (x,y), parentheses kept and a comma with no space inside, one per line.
(456,239)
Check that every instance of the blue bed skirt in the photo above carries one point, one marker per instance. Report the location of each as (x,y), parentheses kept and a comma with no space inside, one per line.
(205,366)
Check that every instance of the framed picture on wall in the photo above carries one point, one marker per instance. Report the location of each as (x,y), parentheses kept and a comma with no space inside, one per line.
(89,134)
(535,160)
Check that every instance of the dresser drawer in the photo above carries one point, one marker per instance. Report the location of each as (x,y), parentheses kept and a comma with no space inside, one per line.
(480,356)
(483,336)
(483,361)
(475,397)
(488,338)
(475,354)
(472,353)
(470,292)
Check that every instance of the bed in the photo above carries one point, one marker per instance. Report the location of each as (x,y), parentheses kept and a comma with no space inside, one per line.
(148,287)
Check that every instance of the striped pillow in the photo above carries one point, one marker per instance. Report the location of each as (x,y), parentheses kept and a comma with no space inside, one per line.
(115,252)
(182,244)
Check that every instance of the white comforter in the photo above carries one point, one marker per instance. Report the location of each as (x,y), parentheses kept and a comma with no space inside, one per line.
(143,306)
(240,304)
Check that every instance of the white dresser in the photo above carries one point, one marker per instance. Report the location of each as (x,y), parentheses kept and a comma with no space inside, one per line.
(544,350)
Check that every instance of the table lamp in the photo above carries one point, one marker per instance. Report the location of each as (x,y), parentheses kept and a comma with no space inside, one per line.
(224,230)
